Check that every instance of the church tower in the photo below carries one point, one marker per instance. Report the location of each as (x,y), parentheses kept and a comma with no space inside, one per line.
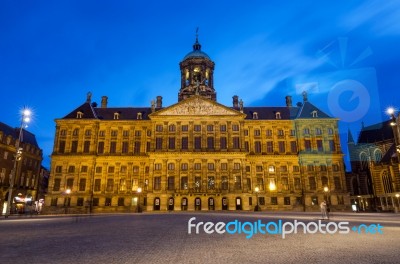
(197,74)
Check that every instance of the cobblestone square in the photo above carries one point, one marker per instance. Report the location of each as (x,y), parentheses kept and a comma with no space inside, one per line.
(164,238)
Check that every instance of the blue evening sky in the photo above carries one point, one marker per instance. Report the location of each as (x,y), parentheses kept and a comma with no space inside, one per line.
(344,53)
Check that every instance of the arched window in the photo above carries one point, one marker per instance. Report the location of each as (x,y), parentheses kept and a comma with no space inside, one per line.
(387,182)
(255,115)
(377,155)
(277,115)
(116,116)
(364,160)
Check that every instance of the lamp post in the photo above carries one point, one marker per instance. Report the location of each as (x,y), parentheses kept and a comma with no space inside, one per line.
(67,201)
(139,191)
(257,190)
(393,122)
(398,204)
(326,190)
(25,119)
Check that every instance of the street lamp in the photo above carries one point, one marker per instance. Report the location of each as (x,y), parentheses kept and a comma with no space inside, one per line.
(67,201)
(139,191)
(398,204)
(25,119)
(326,190)
(257,190)
(393,122)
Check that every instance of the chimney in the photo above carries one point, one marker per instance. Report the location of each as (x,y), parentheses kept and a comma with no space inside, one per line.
(288,101)
(159,102)
(235,101)
(104,101)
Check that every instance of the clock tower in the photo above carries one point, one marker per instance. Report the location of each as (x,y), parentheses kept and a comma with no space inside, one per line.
(197,74)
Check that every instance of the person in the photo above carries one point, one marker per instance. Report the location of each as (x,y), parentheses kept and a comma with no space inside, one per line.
(324,210)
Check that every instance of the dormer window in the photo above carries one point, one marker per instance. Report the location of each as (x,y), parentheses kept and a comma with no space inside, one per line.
(139,116)
(255,115)
(116,116)
(314,113)
(79,114)
(278,115)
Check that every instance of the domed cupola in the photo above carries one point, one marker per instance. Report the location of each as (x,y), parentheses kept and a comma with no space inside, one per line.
(197,74)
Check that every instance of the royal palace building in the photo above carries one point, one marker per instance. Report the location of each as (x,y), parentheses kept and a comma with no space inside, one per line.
(196,154)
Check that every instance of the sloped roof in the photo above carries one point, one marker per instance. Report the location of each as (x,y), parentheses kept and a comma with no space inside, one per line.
(306,111)
(125,113)
(268,113)
(375,133)
(87,110)
(27,137)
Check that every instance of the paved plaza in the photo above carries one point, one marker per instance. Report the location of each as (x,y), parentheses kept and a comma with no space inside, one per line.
(164,238)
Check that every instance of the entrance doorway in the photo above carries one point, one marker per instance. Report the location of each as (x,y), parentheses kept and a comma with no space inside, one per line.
(238,203)
(156,206)
(211,203)
(170,204)
(224,203)
(197,204)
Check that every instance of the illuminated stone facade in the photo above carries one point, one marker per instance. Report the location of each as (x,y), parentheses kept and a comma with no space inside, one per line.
(196,154)
(28,168)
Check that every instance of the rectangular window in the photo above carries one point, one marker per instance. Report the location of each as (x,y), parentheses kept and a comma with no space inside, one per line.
(113,147)
(184,166)
(260,183)
(159,128)
(274,200)
(248,183)
(111,169)
(82,185)
(332,146)
(171,166)
(184,183)
(84,168)
(97,184)
(211,183)
(281,147)
(330,131)
(235,127)
(95,201)
(171,183)
(70,183)
(159,143)
(270,147)
(223,143)
(135,169)
(210,128)
(157,183)
(79,201)
(123,169)
(71,169)
(257,147)
(197,166)
(306,131)
(185,143)
(238,182)
(296,168)
(58,169)
(210,166)
(125,133)
(224,166)
(307,145)
(102,133)
(157,166)
(336,182)
(246,132)
(185,128)
(318,131)
(197,183)
(114,133)
(236,144)
(297,184)
(292,132)
(268,133)
(283,168)
(107,201)
(125,146)
(236,166)
(210,143)
(171,143)
(280,133)
(335,167)
(293,146)
(310,167)
(56,186)
(100,147)
(285,183)
(259,168)
(323,167)
(197,143)
(197,128)
(312,182)
(74,146)
(224,183)
(86,146)
(110,185)
(320,146)
(286,200)
(121,201)
(257,132)
(54,201)
(61,146)
(99,169)
(222,128)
